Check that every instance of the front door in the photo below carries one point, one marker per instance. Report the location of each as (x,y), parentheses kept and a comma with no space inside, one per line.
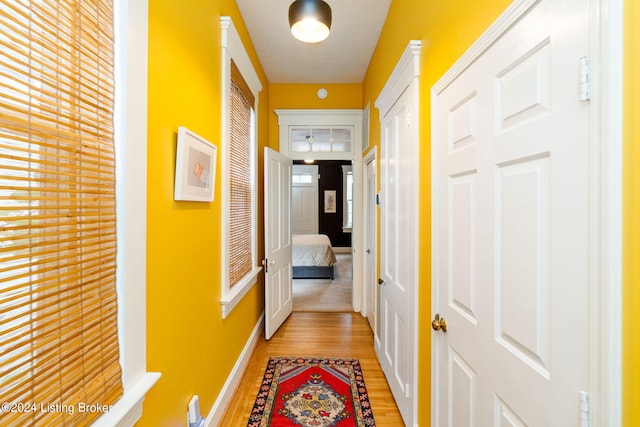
(277,240)
(304,199)
(512,198)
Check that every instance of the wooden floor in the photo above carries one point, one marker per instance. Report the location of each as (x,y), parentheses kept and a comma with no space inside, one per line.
(320,335)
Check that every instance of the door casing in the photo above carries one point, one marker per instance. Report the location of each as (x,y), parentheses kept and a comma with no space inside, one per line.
(334,117)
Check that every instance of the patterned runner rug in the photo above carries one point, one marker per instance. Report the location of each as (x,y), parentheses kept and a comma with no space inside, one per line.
(312,392)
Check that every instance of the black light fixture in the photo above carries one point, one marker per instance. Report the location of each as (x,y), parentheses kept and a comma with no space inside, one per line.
(310,20)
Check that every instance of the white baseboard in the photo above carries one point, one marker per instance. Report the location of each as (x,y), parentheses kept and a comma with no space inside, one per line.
(220,405)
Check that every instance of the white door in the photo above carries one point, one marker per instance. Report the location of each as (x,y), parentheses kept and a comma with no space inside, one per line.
(370,287)
(304,199)
(396,346)
(277,240)
(511,197)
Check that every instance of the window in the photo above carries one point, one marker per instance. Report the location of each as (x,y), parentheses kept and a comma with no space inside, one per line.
(319,134)
(321,140)
(347,194)
(241,178)
(240,88)
(58,304)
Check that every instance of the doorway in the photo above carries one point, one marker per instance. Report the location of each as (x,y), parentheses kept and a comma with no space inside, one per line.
(324,135)
(312,181)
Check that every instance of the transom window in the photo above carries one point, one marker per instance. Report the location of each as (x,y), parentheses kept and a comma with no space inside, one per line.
(321,140)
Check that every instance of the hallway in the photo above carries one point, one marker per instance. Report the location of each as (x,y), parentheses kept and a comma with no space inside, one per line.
(317,334)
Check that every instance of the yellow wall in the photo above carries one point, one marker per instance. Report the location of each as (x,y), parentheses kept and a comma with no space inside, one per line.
(446,30)
(185,332)
(631,225)
(187,340)
(295,96)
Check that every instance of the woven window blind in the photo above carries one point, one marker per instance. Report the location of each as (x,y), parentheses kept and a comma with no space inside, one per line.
(58,326)
(240,179)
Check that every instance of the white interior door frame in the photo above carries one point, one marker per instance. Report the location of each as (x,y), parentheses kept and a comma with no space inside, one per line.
(606,207)
(606,321)
(335,117)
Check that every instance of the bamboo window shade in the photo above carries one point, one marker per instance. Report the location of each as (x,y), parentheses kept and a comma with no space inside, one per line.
(240,179)
(58,309)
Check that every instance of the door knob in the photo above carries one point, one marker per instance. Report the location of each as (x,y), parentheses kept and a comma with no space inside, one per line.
(439,323)
(380,282)
(368,251)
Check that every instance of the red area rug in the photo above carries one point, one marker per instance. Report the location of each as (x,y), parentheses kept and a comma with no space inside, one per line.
(312,392)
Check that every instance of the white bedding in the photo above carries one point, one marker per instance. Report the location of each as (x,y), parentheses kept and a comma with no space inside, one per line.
(312,250)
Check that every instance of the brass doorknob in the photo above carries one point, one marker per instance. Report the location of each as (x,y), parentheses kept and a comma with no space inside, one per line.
(439,323)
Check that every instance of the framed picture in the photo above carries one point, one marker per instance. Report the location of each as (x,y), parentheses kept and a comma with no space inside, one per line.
(195,167)
(329,201)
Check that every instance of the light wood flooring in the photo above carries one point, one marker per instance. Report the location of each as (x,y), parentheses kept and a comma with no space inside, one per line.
(320,335)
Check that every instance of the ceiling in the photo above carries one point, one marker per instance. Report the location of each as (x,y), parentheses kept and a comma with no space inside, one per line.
(342,58)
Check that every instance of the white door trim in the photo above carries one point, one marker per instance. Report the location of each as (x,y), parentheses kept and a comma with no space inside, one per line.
(334,117)
(606,208)
(606,320)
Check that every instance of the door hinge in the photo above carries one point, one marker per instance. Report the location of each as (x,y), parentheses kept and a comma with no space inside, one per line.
(585,410)
(585,79)
(407,390)
(265,264)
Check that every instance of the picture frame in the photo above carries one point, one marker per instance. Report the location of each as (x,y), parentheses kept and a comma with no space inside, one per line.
(195,167)
(329,201)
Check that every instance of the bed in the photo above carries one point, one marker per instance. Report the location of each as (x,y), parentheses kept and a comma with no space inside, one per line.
(312,256)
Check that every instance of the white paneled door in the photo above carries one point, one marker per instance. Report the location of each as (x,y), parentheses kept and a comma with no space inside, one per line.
(511,258)
(396,341)
(277,240)
(370,287)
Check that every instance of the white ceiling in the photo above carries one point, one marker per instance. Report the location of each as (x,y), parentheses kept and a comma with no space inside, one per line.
(342,58)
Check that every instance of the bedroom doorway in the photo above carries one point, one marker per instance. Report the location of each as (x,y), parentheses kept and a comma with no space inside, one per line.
(321,225)
(332,135)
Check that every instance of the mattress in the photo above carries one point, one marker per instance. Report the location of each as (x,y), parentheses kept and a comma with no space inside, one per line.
(312,250)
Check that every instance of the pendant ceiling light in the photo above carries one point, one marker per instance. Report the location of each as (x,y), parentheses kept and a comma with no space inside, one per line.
(310,20)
